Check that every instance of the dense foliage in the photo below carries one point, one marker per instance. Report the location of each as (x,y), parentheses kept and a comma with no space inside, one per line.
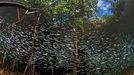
(98,53)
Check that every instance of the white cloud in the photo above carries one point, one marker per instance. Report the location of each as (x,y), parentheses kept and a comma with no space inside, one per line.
(103,5)
(100,2)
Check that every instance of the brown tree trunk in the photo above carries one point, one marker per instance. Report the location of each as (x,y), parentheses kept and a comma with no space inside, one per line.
(18,14)
(75,43)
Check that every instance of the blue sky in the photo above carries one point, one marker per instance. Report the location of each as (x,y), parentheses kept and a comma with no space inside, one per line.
(104,8)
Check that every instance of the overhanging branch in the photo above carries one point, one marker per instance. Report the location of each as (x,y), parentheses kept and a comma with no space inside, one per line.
(15,4)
